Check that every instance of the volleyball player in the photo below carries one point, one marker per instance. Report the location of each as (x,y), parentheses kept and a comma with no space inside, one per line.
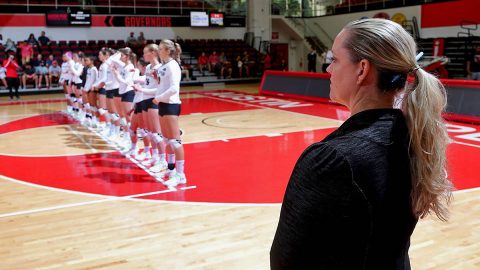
(111,89)
(99,86)
(89,96)
(137,123)
(65,79)
(158,161)
(76,68)
(169,106)
(124,71)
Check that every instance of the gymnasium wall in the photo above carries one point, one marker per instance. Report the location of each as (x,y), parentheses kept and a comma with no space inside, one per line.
(435,20)
(443,19)
(19,26)
(334,24)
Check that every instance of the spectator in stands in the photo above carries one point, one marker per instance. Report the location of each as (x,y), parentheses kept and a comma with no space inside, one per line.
(212,61)
(26,52)
(185,72)
(247,63)
(3,75)
(141,39)
(267,61)
(1,40)
(225,66)
(41,70)
(29,73)
(54,71)
(32,40)
(10,46)
(50,60)
(312,60)
(473,64)
(238,66)
(12,76)
(328,60)
(202,62)
(283,65)
(43,40)
(131,40)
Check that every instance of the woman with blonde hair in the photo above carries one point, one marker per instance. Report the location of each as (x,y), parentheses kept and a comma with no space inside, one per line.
(158,161)
(353,199)
(169,106)
(123,67)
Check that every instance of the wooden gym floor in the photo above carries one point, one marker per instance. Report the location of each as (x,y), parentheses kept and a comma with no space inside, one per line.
(68,200)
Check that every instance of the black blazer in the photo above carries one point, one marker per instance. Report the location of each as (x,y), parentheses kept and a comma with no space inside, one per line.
(347,204)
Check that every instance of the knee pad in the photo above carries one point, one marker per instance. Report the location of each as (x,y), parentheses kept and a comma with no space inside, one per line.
(80,101)
(142,132)
(174,143)
(123,122)
(87,106)
(115,116)
(158,138)
(102,111)
(132,133)
(67,96)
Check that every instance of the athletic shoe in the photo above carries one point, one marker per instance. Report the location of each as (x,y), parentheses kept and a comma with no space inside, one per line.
(176,178)
(140,156)
(160,166)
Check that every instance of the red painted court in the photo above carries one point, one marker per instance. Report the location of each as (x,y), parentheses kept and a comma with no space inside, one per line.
(236,168)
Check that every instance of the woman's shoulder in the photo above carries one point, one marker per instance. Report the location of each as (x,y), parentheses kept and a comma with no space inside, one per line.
(323,156)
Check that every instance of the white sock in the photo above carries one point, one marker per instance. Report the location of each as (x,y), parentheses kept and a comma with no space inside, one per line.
(180,166)
(146,150)
(163,156)
(171,158)
(155,153)
(134,148)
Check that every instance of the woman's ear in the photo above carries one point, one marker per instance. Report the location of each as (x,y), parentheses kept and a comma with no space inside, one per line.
(364,71)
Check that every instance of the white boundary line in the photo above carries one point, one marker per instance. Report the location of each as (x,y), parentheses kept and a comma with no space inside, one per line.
(57,207)
(272,108)
(95,151)
(467,144)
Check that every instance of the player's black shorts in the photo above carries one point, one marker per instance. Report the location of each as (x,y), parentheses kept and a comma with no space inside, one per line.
(111,93)
(78,85)
(116,93)
(102,91)
(128,96)
(66,82)
(148,104)
(169,109)
(138,108)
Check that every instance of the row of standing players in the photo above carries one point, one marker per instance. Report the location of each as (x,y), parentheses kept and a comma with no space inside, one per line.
(126,99)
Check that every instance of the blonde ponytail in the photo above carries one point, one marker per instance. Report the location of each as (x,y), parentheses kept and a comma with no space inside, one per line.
(174,49)
(392,51)
(423,107)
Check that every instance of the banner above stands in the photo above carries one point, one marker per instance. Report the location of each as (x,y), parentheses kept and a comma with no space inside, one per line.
(40,20)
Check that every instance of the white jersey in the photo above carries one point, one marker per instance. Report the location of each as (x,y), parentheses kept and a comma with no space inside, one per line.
(111,82)
(170,75)
(91,78)
(76,69)
(126,75)
(3,73)
(138,94)
(150,81)
(102,75)
(66,75)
